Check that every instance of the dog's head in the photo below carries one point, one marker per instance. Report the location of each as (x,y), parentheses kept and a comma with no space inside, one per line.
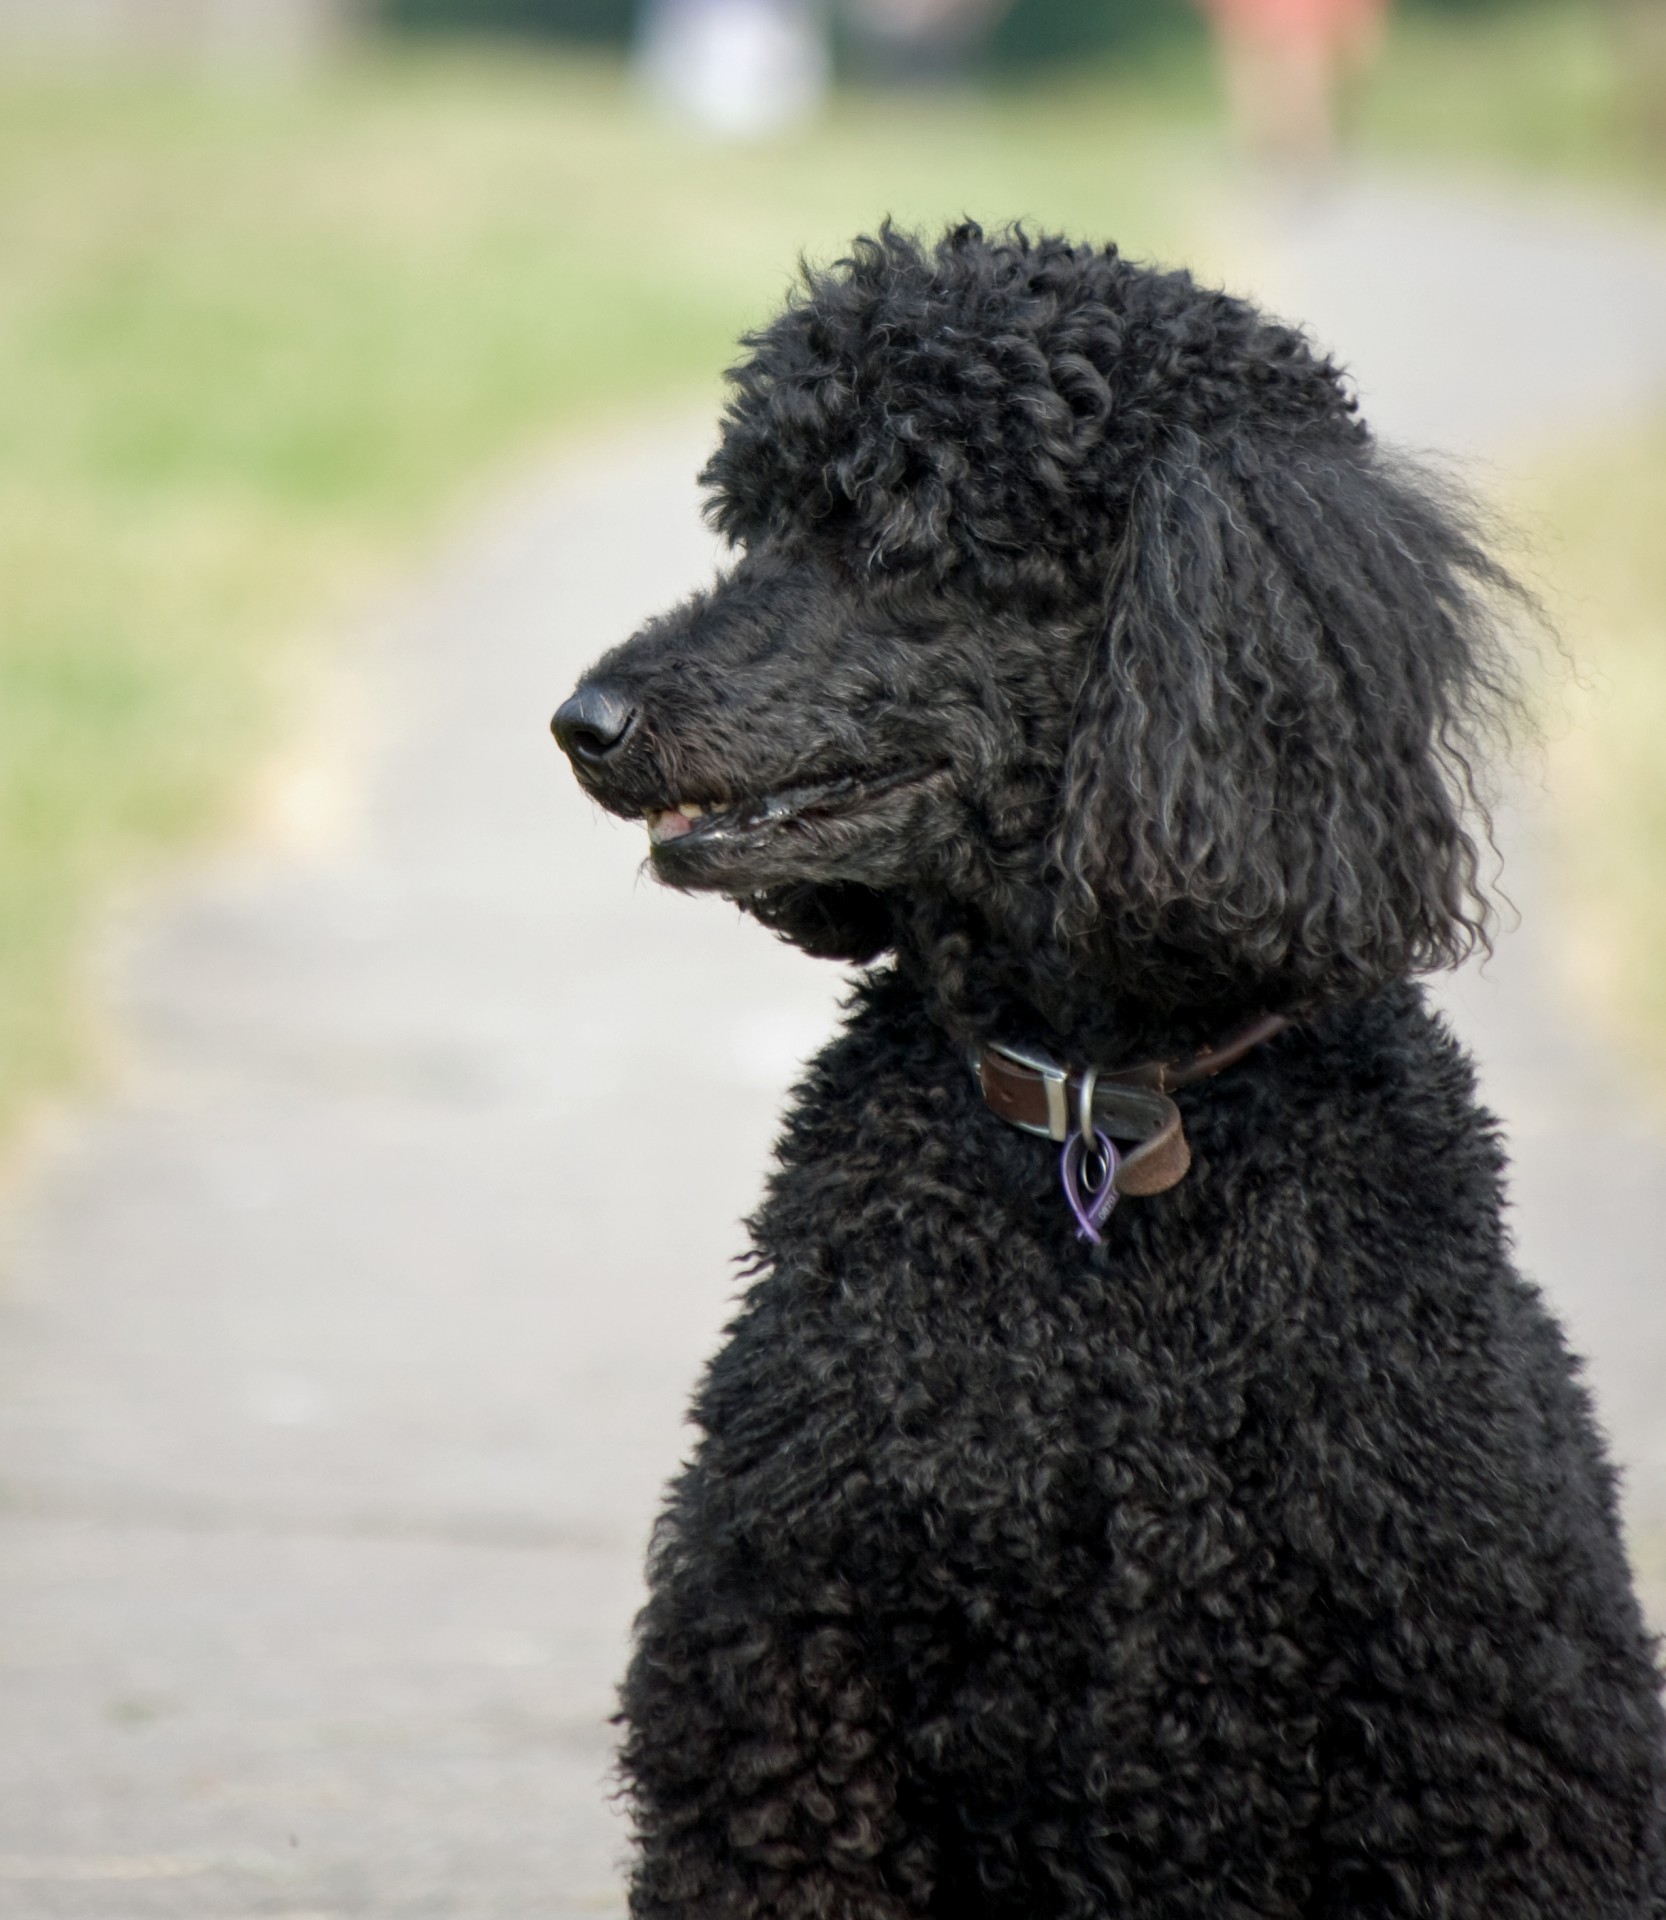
(1075,601)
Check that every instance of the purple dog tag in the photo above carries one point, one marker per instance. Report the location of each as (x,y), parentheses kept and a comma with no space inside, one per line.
(1092,1206)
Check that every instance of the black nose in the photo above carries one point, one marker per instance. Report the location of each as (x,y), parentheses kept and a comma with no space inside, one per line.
(593,723)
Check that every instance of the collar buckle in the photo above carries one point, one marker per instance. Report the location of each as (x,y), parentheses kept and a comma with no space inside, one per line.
(1055,1082)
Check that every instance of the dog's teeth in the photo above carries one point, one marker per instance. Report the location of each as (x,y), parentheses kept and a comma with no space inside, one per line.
(689,810)
(665,823)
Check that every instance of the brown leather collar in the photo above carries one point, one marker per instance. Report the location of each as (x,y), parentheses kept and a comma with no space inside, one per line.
(1031,1091)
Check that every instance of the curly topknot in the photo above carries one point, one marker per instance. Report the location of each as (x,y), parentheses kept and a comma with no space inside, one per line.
(980,409)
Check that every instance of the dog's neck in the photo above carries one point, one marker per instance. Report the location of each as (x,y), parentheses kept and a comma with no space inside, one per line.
(981,983)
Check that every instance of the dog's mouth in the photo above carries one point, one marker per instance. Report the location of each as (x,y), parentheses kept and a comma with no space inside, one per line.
(687,837)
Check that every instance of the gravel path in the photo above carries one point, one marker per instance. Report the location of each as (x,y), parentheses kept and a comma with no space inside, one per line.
(342,1353)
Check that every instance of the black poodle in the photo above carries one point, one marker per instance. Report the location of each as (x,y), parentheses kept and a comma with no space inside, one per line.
(1071,1534)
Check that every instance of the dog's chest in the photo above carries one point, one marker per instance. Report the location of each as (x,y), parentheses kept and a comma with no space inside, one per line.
(930,1330)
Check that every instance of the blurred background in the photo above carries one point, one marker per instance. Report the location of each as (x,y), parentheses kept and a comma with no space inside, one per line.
(355,361)
(284,282)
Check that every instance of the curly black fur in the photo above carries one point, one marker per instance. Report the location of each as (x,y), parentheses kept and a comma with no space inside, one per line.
(1086,654)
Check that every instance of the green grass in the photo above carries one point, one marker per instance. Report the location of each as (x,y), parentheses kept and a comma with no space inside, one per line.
(1605,507)
(1577,94)
(1574,90)
(255,342)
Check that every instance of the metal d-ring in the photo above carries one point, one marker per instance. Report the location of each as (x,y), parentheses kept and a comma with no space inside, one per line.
(1085,1124)
(1096,1150)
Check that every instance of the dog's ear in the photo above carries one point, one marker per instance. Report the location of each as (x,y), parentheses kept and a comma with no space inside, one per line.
(1270,784)
(831,922)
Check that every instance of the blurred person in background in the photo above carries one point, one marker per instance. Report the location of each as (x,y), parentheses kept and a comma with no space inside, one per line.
(1287,65)
(739,69)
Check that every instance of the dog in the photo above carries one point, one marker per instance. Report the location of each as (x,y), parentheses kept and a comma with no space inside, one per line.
(1137,1482)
